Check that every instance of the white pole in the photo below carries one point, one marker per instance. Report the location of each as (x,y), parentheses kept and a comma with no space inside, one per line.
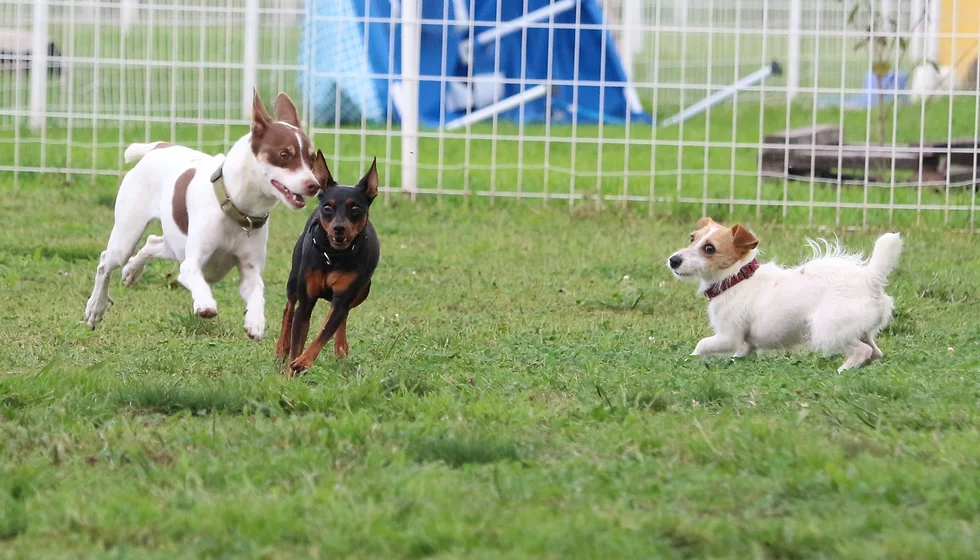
(680,13)
(723,94)
(932,44)
(503,105)
(409,106)
(39,65)
(793,54)
(251,58)
(127,14)
(632,40)
(918,23)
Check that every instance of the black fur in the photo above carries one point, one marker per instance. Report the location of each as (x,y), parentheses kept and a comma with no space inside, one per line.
(338,243)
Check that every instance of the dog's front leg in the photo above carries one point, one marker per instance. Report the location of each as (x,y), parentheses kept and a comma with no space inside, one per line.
(252,290)
(192,277)
(714,345)
(337,317)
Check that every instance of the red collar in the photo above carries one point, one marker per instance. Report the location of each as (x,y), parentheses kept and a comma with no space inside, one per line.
(743,273)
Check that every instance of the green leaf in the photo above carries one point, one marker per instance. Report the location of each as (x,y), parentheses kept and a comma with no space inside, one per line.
(881,68)
(853,15)
(860,44)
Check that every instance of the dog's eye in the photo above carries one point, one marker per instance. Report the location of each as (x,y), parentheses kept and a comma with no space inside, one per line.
(709,249)
(692,238)
(327,211)
(356,212)
(284,154)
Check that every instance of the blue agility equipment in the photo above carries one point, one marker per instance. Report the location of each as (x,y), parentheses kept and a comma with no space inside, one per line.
(542,58)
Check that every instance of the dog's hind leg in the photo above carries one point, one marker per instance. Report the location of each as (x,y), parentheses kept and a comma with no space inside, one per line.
(858,354)
(155,248)
(131,222)
(876,352)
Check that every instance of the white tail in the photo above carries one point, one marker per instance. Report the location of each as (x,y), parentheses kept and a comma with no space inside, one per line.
(884,258)
(137,150)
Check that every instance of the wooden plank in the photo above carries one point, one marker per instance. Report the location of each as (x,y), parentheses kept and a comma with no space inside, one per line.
(822,135)
(960,151)
(848,157)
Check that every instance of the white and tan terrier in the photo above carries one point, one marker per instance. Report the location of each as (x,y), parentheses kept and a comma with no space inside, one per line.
(835,303)
(214,211)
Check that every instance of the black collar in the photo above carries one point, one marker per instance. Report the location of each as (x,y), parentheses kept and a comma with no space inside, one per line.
(327,250)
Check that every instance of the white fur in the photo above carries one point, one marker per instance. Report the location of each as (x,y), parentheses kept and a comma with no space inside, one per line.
(835,303)
(214,243)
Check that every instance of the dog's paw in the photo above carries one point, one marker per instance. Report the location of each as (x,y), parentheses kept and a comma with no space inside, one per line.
(206,309)
(94,313)
(298,366)
(255,328)
(131,273)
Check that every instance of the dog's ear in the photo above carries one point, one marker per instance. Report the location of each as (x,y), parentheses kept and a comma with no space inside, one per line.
(260,117)
(369,183)
(704,222)
(285,110)
(743,238)
(321,172)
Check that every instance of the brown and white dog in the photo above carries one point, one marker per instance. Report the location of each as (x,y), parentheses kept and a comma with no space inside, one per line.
(214,211)
(833,303)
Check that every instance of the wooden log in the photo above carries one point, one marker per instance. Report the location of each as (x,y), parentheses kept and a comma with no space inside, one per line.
(848,157)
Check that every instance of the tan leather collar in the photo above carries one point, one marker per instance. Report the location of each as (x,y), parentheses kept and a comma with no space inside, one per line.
(247,222)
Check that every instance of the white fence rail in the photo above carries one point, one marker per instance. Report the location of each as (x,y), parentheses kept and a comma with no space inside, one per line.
(134,70)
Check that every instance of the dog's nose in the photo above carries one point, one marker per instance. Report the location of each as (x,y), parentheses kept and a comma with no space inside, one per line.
(311,186)
(339,230)
(675,261)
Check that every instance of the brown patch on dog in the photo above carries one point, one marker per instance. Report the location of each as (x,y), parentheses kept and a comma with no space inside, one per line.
(720,246)
(281,144)
(340,281)
(340,346)
(179,201)
(321,171)
(162,145)
(369,183)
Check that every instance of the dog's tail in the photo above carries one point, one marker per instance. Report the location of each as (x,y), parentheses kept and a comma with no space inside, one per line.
(137,150)
(884,258)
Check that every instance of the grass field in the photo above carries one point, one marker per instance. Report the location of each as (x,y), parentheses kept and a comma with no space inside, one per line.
(519,386)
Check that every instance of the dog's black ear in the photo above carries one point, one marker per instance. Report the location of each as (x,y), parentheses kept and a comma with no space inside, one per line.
(369,183)
(285,110)
(260,117)
(321,172)
(743,238)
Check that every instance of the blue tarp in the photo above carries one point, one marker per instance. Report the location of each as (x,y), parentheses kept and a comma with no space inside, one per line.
(357,63)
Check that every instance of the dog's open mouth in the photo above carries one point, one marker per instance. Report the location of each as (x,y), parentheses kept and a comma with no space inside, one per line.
(339,243)
(295,200)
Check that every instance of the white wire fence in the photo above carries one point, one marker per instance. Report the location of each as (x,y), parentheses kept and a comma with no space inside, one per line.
(880,98)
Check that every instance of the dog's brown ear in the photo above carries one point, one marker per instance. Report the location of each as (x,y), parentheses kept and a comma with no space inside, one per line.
(704,222)
(260,117)
(321,172)
(743,238)
(285,110)
(369,183)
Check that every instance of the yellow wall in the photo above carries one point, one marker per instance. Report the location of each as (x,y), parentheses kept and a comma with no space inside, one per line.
(962,49)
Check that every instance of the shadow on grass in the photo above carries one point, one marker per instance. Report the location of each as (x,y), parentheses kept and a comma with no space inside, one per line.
(457,452)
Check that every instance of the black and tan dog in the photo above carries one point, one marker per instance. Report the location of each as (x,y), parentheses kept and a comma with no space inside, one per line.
(334,260)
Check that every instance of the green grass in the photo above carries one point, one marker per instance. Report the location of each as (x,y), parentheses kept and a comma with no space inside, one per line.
(510,393)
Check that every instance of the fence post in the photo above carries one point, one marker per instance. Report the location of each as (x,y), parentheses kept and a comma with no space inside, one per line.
(793,54)
(918,21)
(127,14)
(932,46)
(632,19)
(251,57)
(409,105)
(39,65)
